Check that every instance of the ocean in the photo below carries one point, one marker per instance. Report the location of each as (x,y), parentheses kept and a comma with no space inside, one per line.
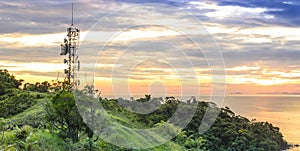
(281,111)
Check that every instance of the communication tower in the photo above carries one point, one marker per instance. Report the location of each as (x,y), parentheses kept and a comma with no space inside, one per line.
(70,48)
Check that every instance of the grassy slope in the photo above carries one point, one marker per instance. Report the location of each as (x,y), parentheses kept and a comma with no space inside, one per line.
(34,116)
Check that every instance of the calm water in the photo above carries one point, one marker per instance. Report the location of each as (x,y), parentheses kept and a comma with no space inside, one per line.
(281,111)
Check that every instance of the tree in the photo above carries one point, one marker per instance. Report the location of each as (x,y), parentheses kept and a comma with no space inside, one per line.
(44,86)
(64,116)
(2,125)
(8,82)
(88,101)
(30,87)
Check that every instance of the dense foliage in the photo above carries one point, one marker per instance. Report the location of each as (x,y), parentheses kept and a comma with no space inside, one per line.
(8,81)
(12,99)
(42,116)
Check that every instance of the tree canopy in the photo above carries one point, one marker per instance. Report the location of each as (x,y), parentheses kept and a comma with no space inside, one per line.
(44,117)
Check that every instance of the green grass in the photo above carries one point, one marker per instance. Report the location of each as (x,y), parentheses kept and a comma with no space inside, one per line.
(9,137)
(33,116)
(48,141)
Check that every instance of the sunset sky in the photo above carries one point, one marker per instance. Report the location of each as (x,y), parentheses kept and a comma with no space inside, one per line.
(259,41)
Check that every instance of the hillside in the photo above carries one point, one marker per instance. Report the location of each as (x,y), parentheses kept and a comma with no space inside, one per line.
(44,116)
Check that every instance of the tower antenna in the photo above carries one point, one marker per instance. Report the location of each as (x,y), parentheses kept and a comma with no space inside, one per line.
(72,14)
(70,49)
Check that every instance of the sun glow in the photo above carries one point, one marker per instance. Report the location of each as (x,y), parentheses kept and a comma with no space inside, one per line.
(41,67)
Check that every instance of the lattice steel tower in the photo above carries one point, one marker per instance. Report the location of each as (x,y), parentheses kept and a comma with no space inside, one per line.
(70,48)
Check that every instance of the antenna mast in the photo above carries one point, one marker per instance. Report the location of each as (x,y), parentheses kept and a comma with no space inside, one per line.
(70,48)
(72,14)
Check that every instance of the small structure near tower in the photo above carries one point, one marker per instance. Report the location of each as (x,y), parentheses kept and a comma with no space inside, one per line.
(70,48)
